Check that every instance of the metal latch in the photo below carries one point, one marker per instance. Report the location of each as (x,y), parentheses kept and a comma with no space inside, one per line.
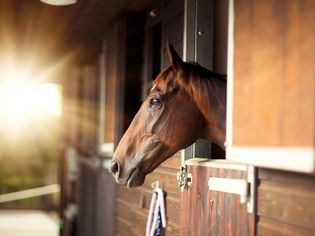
(243,187)
(184,178)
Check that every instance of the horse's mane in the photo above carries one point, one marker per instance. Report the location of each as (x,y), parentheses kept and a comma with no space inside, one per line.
(205,73)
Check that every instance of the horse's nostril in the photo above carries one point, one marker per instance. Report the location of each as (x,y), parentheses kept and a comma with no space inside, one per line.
(114,167)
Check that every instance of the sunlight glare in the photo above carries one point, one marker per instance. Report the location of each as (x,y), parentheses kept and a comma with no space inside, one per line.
(49,97)
(16,100)
(22,101)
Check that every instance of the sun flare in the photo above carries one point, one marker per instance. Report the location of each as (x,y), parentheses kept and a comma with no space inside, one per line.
(22,101)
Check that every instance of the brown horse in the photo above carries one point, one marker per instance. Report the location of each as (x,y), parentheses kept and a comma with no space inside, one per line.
(186,102)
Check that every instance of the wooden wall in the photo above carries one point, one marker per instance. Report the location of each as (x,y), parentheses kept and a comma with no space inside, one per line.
(132,205)
(285,204)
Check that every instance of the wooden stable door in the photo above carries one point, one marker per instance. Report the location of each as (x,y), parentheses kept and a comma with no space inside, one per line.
(271,88)
(215,213)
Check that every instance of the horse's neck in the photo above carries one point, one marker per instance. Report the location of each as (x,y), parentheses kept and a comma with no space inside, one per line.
(210,97)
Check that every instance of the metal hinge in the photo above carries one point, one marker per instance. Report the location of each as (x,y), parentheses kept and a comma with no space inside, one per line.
(243,187)
(184,178)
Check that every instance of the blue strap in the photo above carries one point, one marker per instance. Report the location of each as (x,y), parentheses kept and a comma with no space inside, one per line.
(159,224)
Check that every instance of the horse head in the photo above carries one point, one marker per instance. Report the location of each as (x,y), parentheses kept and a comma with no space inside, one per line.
(167,121)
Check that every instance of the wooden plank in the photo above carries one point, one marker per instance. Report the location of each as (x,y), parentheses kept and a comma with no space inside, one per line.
(287,198)
(274,56)
(123,228)
(283,176)
(140,198)
(132,195)
(138,222)
(173,211)
(167,179)
(213,213)
(213,224)
(173,162)
(273,228)
(197,216)
(184,213)
(133,204)
(192,201)
(137,218)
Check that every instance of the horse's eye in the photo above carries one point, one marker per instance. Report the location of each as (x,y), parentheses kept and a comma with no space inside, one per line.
(155,102)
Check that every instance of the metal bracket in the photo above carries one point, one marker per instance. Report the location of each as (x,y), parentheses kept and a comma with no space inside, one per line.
(243,187)
(251,178)
(184,178)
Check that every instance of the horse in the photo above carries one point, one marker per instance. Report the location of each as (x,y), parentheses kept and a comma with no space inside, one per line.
(186,102)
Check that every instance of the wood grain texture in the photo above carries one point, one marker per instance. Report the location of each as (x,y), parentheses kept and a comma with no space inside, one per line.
(274,228)
(206,212)
(132,205)
(287,199)
(173,162)
(274,73)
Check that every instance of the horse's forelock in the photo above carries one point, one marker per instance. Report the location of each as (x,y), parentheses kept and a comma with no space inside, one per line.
(165,79)
(160,82)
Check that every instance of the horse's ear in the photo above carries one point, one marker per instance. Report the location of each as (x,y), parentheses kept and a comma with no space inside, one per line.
(175,59)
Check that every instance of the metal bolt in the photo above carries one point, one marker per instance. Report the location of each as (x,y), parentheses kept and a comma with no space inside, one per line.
(153,13)
(200,32)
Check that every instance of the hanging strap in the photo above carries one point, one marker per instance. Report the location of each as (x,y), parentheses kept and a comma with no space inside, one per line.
(150,215)
(156,206)
(160,193)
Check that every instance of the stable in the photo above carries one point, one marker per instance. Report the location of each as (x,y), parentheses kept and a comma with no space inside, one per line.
(262,183)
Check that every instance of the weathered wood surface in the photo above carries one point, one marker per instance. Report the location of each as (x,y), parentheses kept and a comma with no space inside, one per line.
(206,212)
(285,203)
(274,73)
(266,227)
(132,205)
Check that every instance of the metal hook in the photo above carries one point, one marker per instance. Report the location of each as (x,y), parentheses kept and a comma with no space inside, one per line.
(155,184)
